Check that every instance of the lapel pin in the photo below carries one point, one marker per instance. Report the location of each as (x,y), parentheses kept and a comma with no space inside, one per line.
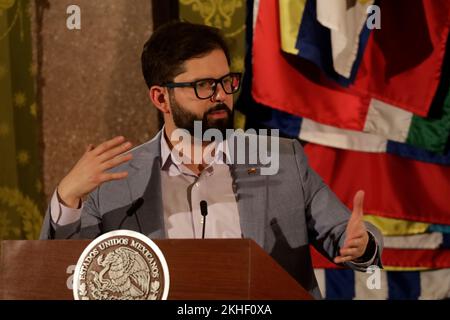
(251,171)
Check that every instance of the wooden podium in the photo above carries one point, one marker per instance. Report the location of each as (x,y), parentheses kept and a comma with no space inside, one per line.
(231,269)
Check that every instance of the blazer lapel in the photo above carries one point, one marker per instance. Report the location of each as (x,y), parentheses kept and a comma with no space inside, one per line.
(145,182)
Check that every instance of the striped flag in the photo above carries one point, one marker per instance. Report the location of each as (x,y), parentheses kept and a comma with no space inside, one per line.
(393,285)
(290,94)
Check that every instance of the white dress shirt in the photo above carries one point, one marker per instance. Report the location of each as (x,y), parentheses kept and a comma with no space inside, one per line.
(182,191)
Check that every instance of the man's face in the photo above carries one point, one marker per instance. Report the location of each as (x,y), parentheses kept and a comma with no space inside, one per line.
(186,107)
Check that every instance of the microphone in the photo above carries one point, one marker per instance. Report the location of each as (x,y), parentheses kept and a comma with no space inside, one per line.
(135,206)
(204,212)
(132,211)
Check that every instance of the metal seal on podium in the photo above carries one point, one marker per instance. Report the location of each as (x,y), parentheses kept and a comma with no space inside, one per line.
(121,265)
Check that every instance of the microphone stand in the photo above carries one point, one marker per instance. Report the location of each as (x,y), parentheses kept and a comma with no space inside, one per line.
(204,212)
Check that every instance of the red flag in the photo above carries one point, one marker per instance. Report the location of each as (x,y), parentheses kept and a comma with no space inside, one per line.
(403,60)
(395,187)
(278,84)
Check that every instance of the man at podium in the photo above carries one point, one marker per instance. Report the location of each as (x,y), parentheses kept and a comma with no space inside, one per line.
(187,182)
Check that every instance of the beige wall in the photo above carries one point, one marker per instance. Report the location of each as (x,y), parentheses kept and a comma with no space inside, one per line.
(93,88)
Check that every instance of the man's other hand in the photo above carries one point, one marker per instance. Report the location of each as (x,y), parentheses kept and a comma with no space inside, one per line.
(356,233)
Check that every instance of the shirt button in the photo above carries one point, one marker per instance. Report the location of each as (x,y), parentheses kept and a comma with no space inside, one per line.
(196,184)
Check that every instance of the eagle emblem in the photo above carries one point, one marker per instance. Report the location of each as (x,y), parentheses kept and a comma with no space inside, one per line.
(119,268)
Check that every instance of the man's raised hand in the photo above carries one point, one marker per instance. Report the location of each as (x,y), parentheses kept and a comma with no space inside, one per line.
(90,171)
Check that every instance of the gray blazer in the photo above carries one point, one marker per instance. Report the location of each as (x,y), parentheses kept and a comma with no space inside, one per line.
(283,213)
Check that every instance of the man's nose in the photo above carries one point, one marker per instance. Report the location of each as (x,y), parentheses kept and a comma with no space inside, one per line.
(219,95)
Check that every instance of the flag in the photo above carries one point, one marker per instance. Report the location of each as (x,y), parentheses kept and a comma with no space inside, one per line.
(330,48)
(398,259)
(398,227)
(346,20)
(395,187)
(430,135)
(395,69)
(433,240)
(294,87)
(291,12)
(439,228)
(417,241)
(393,285)
(278,84)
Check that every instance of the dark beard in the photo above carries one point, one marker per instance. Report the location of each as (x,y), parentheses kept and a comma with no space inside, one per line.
(184,119)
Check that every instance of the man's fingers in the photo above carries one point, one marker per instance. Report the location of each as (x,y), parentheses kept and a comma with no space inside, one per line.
(355,234)
(356,225)
(342,259)
(353,243)
(111,153)
(113,176)
(108,145)
(358,201)
(355,229)
(116,161)
(349,251)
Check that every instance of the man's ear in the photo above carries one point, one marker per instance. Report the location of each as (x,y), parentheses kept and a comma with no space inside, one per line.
(160,98)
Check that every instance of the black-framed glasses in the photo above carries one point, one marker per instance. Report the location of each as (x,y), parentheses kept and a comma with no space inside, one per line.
(206,88)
